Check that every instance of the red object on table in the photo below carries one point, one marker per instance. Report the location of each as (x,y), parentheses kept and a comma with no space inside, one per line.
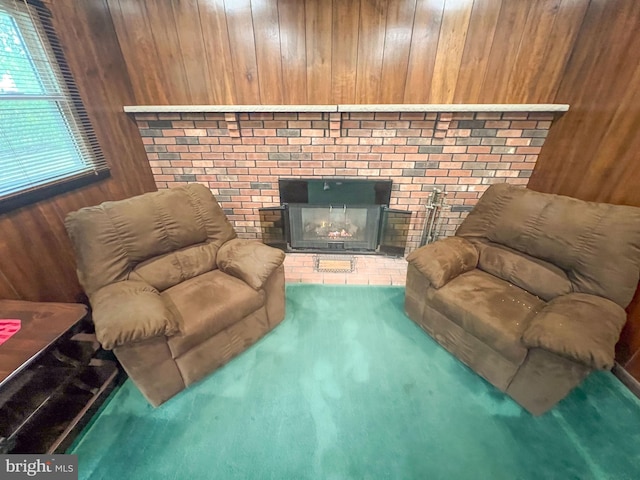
(8,328)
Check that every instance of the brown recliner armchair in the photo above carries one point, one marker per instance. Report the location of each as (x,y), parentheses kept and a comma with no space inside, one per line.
(531,291)
(174,293)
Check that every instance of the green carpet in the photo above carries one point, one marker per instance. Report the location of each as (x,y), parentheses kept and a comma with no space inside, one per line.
(347,387)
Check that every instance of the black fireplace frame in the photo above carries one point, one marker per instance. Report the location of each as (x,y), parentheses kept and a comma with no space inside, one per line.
(355,191)
(368,243)
(392,231)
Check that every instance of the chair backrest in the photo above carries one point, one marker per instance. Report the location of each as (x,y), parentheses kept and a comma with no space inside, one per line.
(163,237)
(596,244)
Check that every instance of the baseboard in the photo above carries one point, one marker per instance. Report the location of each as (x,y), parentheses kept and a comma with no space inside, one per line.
(626,378)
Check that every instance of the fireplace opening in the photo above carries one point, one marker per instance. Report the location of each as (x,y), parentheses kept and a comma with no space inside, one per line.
(336,215)
(333,227)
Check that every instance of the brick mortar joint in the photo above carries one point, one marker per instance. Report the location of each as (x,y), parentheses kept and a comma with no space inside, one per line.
(233,125)
(246,199)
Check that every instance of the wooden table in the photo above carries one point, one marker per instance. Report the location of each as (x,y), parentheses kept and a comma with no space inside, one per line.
(42,325)
(51,379)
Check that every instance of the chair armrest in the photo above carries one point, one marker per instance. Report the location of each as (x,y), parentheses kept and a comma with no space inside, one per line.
(444,260)
(249,260)
(579,326)
(130,311)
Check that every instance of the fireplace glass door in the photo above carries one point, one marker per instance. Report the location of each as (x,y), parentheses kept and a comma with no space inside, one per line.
(334,227)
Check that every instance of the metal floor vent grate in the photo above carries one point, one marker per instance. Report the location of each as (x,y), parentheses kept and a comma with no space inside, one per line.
(334,263)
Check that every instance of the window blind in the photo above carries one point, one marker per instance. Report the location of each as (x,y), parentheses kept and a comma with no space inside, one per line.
(46,138)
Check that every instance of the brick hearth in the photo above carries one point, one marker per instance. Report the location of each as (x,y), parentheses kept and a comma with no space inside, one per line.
(241,156)
(369,270)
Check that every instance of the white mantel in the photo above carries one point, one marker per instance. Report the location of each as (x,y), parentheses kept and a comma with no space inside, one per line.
(429,107)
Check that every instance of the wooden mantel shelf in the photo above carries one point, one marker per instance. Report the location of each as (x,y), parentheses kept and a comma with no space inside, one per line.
(470,107)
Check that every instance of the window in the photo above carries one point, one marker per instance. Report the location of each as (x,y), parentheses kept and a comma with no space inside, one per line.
(47,144)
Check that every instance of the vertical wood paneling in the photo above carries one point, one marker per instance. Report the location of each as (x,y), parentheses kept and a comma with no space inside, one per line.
(533,46)
(163,32)
(139,48)
(633,365)
(628,349)
(266,29)
(243,50)
(619,140)
(88,39)
(351,51)
(599,74)
(591,152)
(18,233)
(294,50)
(580,52)
(453,34)
(373,19)
(36,261)
(213,23)
(344,53)
(319,32)
(397,46)
(566,25)
(475,59)
(186,16)
(504,51)
(424,45)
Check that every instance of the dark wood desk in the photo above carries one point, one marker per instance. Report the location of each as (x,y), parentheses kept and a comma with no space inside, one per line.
(51,378)
(42,325)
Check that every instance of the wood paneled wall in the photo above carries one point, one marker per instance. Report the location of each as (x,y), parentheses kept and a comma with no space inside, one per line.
(585,53)
(346,51)
(582,52)
(593,152)
(36,261)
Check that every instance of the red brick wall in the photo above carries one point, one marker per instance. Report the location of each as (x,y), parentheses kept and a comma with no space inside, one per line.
(241,156)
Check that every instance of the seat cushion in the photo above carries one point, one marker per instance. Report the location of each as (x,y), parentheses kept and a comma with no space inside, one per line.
(536,276)
(490,309)
(207,304)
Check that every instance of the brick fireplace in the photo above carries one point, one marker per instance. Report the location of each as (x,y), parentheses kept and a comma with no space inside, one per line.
(242,155)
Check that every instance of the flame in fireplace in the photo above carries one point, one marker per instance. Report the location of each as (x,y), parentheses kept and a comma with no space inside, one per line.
(328,229)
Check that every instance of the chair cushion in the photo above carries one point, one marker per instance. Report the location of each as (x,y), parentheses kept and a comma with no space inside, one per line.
(444,260)
(207,304)
(490,309)
(110,239)
(536,276)
(578,326)
(596,244)
(170,269)
(129,312)
(249,260)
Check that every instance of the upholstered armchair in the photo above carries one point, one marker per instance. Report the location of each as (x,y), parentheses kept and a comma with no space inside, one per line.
(530,292)
(174,293)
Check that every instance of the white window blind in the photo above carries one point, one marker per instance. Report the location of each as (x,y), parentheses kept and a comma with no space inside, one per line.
(47,143)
